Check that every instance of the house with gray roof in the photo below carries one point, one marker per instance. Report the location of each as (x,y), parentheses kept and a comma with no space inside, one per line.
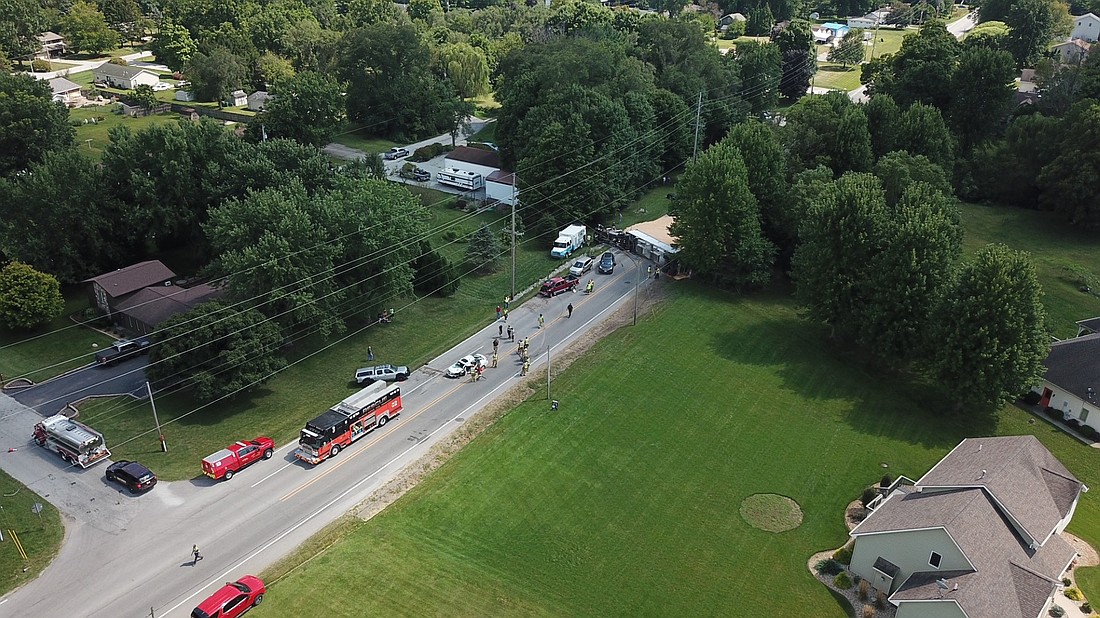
(978,536)
(124,78)
(1071,383)
(65,91)
(144,310)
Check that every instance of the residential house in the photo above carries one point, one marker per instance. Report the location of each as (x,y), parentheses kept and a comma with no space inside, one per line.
(873,19)
(1027,81)
(109,289)
(1072,381)
(653,241)
(1073,51)
(142,311)
(469,159)
(727,20)
(1086,27)
(53,45)
(124,78)
(978,536)
(237,98)
(65,92)
(829,32)
(500,186)
(257,100)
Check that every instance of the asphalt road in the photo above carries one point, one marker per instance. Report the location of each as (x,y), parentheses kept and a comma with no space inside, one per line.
(49,397)
(134,555)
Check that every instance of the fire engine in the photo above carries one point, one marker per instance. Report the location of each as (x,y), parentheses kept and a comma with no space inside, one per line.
(75,442)
(347,421)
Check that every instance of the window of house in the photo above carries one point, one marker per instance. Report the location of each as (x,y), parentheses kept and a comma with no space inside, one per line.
(1084,413)
(934,560)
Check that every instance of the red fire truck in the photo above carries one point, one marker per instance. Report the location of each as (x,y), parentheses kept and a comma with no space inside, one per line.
(347,421)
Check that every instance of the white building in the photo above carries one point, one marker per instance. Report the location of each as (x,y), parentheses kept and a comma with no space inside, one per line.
(237,98)
(1086,27)
(65,91)
(257,100)
(1073,51)
(1071,384)
(501,187)
(124,78)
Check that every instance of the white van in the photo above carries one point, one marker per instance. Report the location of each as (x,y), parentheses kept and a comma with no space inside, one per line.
(581,266)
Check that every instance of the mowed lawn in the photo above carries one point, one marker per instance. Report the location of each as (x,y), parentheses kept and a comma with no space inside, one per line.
(835,76)
(53,349)
(40,536)
(1053,246)
(626,500)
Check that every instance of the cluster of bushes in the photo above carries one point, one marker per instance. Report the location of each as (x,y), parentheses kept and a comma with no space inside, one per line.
(843,555)
(868,495)
(431,151)
(842,581)
(829,567)
(1031,398)
(1086,609)
(1073,423)
(1073,594)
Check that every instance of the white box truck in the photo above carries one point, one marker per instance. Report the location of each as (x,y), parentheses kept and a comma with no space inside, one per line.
(569,240)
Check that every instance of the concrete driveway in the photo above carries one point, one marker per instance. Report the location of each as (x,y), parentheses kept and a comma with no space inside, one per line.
(49,397)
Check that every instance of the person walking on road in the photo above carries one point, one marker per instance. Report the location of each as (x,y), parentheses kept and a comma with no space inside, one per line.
(370,353)
(542,321)
(496,343)
(505,315)
(591,286)
(195,555)
(526,367)
(511,334)
(649,271)
(505,302)
(494,365)
(500,329)
(570,310)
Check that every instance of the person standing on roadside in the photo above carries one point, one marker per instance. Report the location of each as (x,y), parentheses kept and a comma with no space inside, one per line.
(370,353)
(498,312)
(505,315)
(570,310)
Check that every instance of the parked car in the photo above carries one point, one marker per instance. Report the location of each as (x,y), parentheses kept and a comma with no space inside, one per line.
(581,266)
(556,285)
(395,153)
(233,599)
(131,475)
(121,350)
(228,461)
(465,364)
(161,86)
(416,173)
(388,373)
(607,264)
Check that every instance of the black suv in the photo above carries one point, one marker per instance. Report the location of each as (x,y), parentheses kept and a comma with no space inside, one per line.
(607,263)
(133,475)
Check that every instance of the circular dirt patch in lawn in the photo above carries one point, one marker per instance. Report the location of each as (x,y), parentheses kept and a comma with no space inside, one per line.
(771,512)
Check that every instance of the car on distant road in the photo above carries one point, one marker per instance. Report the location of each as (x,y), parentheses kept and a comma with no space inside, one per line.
(465,364)
(131,475)
(387,373)
(233,599)
(161,86)
(395,153)
(607,264)
(239,455)
(556,285)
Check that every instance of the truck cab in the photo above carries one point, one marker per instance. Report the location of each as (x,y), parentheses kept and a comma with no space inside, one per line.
(228,461)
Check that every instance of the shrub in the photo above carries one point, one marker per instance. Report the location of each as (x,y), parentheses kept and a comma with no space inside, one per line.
(1052,413)
(1086,609)
(1074,423)
(829,567)
(450,235)
(1066,582)
(1073,594)
(864,590)
(842,581)
(1089,432)
(1031,398)
(880,600)
(40,66)
(1056,611)
(886,481)
(430,151)
(119,61)
(843,555)
(868,611)
(868,495)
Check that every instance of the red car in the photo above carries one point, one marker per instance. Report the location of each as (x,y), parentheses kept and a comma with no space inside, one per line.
(555,285)
(233,599)
(228,461)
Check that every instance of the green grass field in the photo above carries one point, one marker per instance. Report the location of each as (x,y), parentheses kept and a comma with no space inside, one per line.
(52,349)
(39,536)
(1053,246)
(94,138)
(356,138)
(626,501)
(837,77)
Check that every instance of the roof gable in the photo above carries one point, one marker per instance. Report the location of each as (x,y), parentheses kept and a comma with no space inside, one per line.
(476,156)
(121,72)
(153,305)
(1074,364)
(132,278)
(60,85)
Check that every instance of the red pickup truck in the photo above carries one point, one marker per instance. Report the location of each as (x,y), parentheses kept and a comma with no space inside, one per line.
(228,461)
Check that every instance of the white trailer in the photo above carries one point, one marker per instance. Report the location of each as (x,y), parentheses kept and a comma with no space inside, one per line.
(75,442)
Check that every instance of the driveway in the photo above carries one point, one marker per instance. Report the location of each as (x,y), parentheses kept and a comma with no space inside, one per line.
(51,396)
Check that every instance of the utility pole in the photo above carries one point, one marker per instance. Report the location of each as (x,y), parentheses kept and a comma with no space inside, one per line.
(698,115)
(637,281)
(163,444)
(515,203)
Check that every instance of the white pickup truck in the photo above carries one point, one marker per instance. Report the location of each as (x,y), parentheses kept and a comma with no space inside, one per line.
(385,373)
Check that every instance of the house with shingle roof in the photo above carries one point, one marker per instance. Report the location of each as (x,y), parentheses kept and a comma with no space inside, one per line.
(1071,383)
(978,536)
(1073,51)
(141,296)
(124,78)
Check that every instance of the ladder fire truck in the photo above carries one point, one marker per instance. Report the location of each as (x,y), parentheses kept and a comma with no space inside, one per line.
(347,421)
(75,442)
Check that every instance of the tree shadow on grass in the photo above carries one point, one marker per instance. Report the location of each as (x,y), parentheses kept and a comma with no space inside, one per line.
(880,402)
(211,415)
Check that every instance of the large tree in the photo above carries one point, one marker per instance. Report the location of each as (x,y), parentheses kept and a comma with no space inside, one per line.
(308,108)
(849,52)
(883,116)
(21,21)
(86,29)
(827,130)
(718,226)
(899,169)
(483,250)
(28,298)
(216,74)
(1031,26)
(1069,182)
(32,124)
(173,45)
(841,233)
(922,131)
(983,83)
(467,68)
(796,46)
(217,349)
(767,173)
(761,72)
(989,337)
(921,70)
